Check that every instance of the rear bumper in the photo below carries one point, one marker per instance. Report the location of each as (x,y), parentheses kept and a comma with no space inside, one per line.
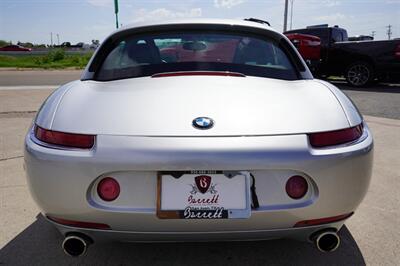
(300,234)
(63,184)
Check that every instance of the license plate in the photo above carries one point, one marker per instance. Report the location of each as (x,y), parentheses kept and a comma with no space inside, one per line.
(203,195)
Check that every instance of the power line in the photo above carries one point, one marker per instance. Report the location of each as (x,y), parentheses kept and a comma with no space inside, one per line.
(389,31)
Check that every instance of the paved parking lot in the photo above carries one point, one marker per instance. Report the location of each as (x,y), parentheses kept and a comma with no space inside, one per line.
(371,236)
(382,100)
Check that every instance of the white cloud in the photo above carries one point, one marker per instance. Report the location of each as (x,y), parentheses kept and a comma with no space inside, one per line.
(331,3)
(100,3)
(331,18)
(227,3)
(160,14)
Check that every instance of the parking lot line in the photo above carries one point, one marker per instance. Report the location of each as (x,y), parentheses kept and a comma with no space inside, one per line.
(37,87)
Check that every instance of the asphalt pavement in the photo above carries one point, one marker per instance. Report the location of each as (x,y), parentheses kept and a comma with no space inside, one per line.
(382,100)
(370,237)
(10,78)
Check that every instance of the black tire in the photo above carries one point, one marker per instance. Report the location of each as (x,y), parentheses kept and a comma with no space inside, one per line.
(359,74)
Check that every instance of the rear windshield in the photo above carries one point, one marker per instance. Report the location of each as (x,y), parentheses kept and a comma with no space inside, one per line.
(146,55)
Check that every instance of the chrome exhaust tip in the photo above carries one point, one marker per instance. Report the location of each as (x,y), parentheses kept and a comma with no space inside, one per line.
(327,241)
(75,245)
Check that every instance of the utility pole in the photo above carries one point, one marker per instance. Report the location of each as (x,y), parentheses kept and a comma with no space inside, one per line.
(58,39)
(116,12)
(285,16)
(389,31)
(51,39)
(373,34)
(291,13)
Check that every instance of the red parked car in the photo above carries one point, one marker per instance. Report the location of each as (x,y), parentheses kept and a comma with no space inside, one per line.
(15,48)
(309,47)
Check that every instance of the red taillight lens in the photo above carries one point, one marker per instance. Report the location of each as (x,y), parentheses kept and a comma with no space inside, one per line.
(108,189)
(296,187)
(79,223)
(325,220)
(336,137)
(397,52)
(64,139)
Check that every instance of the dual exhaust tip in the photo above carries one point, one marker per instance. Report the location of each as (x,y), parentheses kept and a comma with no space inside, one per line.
(76,245)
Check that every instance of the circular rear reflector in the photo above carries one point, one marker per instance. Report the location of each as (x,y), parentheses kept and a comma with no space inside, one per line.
(296,187)
(108,189)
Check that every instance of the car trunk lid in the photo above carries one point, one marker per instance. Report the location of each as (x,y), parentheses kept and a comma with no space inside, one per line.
(166,106)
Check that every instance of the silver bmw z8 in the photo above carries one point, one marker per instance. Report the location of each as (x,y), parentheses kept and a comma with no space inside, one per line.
(199,130)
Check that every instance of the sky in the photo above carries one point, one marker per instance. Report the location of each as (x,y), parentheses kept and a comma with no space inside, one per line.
(84,20)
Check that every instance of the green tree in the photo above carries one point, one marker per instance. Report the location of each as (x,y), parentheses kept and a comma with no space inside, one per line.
(3,43)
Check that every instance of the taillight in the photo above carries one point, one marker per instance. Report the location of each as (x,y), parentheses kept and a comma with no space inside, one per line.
(336,137)
(296,187)
(397,52)
(70,140)
(108,189)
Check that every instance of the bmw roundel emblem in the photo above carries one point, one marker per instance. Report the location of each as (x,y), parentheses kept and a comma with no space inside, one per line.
(203,123)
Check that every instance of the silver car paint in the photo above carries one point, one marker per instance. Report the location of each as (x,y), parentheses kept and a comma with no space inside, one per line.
(62,181)
(143,125)
(167,106)
(351,111)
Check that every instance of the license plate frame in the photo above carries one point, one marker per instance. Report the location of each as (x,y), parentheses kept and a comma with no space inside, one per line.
(234,179)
